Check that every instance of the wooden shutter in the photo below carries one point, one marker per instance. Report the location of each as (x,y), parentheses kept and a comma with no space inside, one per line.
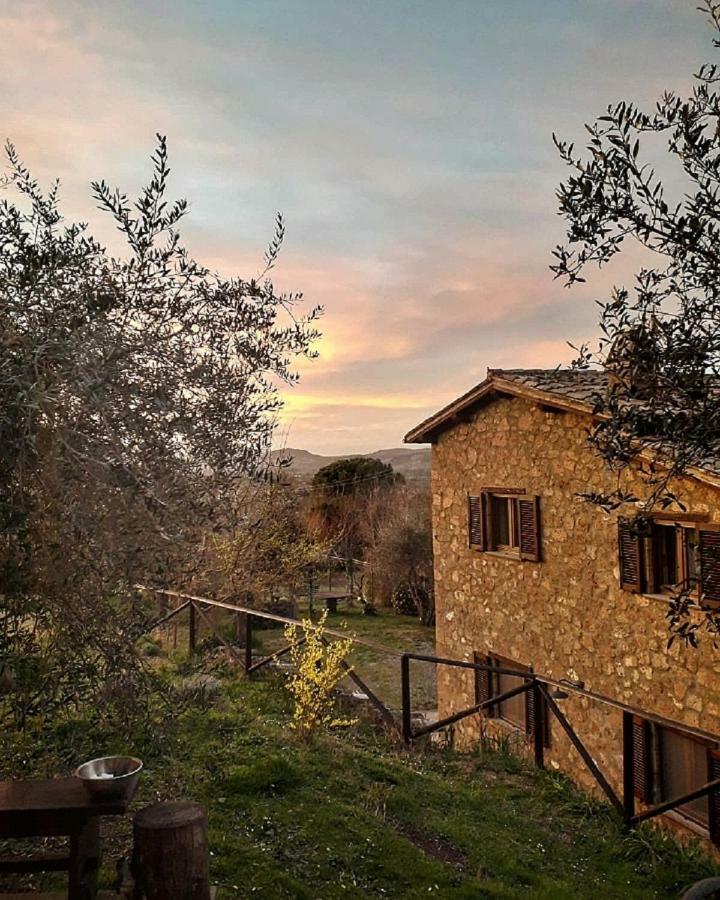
(648,564)
(630,552)
(714,796)
(529,519)
(531,712)
(642,761)
(484,683)
(477,532)
(709,551)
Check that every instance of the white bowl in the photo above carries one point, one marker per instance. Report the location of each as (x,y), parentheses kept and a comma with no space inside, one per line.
(110,777)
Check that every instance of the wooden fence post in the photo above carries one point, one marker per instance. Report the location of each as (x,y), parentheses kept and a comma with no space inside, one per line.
(406,711)
(248,642)
(239,628)
(170,852)
(192,634)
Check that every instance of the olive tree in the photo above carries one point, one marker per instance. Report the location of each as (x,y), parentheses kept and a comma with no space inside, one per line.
(138,395)
(660,338)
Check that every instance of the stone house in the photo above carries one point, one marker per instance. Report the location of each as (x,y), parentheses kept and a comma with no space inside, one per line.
(530,577)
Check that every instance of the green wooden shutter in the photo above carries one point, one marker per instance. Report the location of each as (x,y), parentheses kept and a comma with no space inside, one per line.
(529,519)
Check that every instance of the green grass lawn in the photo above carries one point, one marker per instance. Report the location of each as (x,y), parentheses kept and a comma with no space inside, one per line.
(380,671)
(351,815)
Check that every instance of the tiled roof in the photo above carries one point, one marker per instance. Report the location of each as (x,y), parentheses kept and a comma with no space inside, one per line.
(577,389)
(581,385)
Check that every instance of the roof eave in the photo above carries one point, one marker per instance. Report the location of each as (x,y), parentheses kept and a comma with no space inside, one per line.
(494,385)
(450,415)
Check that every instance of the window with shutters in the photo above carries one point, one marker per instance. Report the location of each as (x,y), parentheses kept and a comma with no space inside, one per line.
(519,710)
(668,763)
(664,557)
(506,522)
(675,556)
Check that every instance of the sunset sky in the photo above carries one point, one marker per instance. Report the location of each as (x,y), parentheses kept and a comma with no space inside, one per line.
(408,145)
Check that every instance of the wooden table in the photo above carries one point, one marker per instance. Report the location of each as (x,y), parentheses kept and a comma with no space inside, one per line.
(331,598)
(58,806)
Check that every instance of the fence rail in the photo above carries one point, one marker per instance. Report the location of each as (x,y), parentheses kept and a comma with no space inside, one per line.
(538,684)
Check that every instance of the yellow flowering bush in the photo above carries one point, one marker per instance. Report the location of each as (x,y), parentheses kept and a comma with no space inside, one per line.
(318,671)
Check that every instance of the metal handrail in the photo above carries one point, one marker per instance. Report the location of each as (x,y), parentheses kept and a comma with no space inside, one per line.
(530,681)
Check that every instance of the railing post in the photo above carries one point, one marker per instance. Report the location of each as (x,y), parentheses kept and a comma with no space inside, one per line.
(192,634)
(248,642)
(406,711)
(238,627)
(628,769)
(539,725)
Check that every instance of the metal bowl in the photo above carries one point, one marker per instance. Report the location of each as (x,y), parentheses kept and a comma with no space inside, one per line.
(110,777)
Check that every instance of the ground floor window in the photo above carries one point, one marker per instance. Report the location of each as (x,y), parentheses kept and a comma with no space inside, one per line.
(519,710)
(669,763)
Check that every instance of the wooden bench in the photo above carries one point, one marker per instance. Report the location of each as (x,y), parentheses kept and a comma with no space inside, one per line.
(331,598)
(57,807)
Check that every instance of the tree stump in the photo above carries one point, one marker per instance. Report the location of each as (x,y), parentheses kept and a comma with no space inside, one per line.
(170,852)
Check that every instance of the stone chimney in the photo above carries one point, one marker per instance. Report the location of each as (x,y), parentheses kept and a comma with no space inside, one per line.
(632,360)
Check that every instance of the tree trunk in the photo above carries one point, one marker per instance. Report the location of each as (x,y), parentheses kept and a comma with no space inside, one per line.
(170,852)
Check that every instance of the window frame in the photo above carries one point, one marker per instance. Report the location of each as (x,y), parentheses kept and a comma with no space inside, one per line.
(641,557)
(513,514)
(523,512)
(504,662)
(659,772)
(683,533)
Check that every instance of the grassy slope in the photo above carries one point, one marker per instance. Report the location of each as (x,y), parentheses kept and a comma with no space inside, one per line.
(349,816)
(352,816)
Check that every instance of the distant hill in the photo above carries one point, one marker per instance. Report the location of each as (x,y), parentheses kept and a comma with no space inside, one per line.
(412,462)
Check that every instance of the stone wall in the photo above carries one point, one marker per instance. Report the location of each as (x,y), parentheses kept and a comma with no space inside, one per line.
(566,616)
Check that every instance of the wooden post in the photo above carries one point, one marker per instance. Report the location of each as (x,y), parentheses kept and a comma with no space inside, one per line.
(192,636)
(239,629)
(628,769)
(170,852)
(538,726)
(248,642)
(406,712)
(84,861)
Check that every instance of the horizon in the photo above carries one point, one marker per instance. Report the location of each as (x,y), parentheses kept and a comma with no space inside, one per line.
(410,155)
(401,447)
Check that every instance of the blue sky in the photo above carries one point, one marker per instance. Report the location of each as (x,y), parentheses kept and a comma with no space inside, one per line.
(408,145)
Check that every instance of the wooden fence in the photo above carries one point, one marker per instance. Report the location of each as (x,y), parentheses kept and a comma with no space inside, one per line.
(540,686)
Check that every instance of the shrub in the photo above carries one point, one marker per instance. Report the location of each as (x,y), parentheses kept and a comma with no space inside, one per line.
(403,600)
(318,671)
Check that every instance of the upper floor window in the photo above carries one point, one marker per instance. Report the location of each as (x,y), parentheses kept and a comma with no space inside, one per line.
(668,556)
(506,520)
(675,556)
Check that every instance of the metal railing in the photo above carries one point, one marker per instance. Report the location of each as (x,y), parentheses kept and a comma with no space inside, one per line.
(625,805)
